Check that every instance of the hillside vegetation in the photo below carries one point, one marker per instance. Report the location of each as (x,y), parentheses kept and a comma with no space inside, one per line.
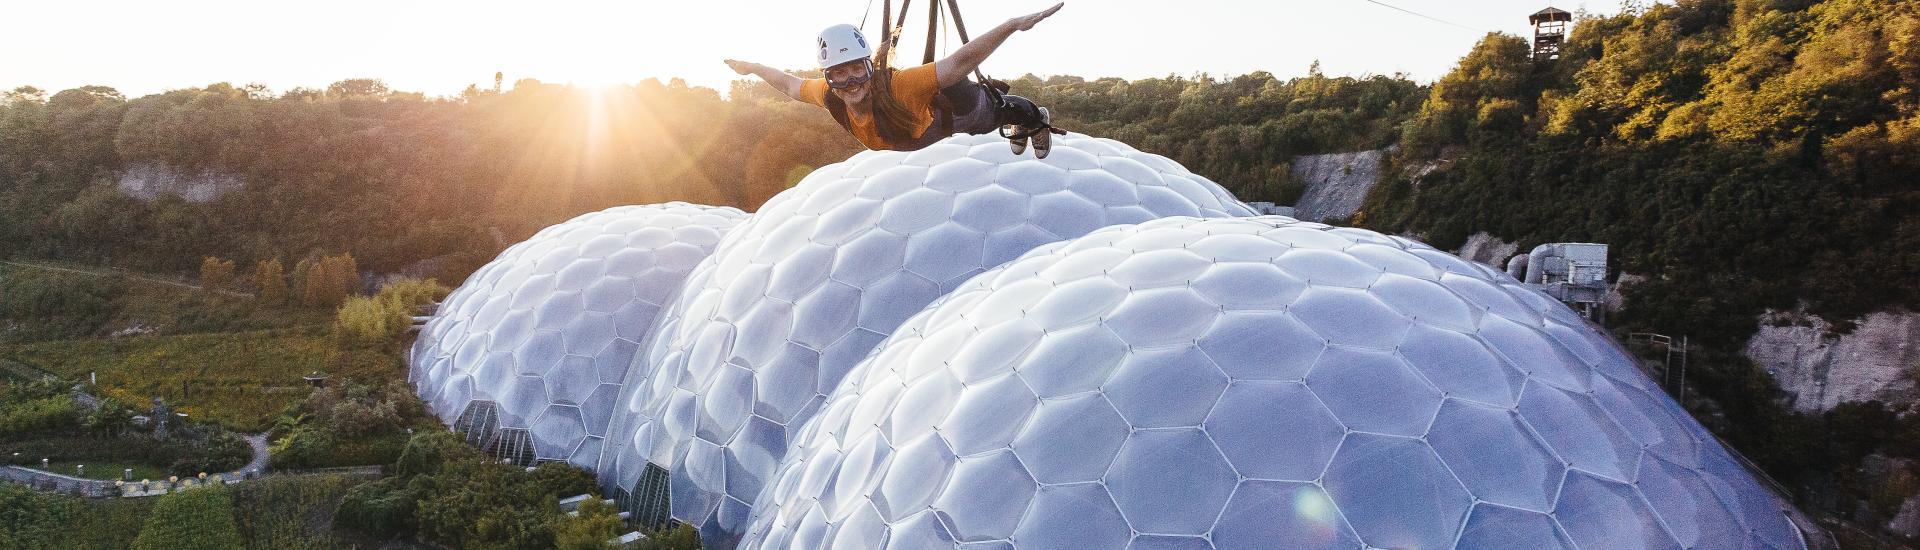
(1740,155)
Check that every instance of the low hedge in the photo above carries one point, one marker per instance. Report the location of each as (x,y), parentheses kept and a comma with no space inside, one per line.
(189,520)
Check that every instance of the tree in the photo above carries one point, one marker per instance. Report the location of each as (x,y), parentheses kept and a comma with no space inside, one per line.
(345,272)
(215,273)
(269,277)
(358,88)
(317,289)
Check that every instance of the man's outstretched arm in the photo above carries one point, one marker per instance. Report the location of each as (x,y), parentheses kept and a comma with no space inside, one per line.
(780,80)
(955,67)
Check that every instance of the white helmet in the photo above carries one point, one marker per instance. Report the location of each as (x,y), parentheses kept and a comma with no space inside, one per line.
(842,43)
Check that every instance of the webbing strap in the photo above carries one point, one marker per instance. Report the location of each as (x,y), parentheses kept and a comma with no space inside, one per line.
(933,29)
(892,33)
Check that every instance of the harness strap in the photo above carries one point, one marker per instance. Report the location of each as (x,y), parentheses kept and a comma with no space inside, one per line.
(933,29)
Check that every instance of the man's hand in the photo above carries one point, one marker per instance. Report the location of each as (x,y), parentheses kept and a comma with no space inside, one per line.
(1026,22)
(745,67)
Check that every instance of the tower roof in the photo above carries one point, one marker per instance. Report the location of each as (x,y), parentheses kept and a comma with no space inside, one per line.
(1549,14)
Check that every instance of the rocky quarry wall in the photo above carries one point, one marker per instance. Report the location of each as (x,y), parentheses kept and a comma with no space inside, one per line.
(1485,248)
(149,180)
(1336,183)
(1819,370)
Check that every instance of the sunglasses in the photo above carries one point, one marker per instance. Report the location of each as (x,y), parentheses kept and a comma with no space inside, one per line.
(851,81)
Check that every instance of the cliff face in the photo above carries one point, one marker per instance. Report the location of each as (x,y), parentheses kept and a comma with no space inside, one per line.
(1336,183)
(1875,361)
(148,180)
(1485,248)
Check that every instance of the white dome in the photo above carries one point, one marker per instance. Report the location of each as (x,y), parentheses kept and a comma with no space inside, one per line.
(800,293)
(545,331)
(1242,383)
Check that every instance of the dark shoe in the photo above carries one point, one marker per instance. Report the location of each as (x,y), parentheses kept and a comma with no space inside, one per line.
(1043,138)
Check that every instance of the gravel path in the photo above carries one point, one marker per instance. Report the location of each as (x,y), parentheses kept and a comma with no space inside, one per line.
(258,465)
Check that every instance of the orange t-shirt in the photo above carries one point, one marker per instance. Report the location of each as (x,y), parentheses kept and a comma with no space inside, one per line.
(913,87)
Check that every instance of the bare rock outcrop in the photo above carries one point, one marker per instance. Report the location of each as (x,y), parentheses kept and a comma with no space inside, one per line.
(146,181)
(1820,370)
(1485,248)
(1336,183)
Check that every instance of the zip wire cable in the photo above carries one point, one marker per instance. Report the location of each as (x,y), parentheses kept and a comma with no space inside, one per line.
(1421,15)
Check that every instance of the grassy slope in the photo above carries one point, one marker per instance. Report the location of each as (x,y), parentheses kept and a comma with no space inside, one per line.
(164,304)
(239,379)
(240,365)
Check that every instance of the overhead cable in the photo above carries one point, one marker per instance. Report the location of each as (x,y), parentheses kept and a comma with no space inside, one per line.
(1422,15)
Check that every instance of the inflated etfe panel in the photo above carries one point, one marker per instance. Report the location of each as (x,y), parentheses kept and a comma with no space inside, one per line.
(795,297)
(545,331)
(1252,383)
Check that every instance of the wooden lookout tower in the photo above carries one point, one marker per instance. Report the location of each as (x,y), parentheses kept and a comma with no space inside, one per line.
(1549,30)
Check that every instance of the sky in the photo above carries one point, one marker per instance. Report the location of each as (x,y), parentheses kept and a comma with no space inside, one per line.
(439,47)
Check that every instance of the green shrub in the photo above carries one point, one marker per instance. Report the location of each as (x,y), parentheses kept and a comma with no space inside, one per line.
(191,519)
(428,452)
(220,451)
(38,416)
(591,529)
(462,498)
(368,321)
(383,318)
(30,520)
(286,512)
(58,305)
(678,537)
(381,509)
(350,425)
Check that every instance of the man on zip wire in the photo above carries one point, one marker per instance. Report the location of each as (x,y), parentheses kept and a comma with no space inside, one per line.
(898,109)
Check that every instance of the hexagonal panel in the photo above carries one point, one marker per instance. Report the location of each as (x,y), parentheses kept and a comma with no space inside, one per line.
(1496,456)
(1373,391)
(1170,481)
(1069,516)
(1262,513)
(1579,432)
(1140,387)
(1494,526)
(1599,513)
(1070,439)
(1274,430)
(1396,492)
(1350,317)
(990,494)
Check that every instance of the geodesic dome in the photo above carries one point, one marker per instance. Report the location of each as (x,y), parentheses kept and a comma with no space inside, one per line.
(536,343)
(800,293)
(1253,382)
